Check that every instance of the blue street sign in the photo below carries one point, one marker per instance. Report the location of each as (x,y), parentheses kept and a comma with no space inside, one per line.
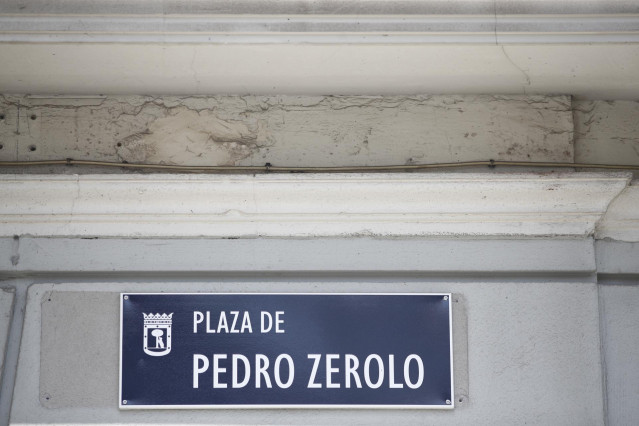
(285,350)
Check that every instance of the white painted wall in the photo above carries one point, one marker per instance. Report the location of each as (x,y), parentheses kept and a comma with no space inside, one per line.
(287,130)
(314,131)
(317,48)
(308,205)
(620,315)
(535,261)
(523,252)
(88,69)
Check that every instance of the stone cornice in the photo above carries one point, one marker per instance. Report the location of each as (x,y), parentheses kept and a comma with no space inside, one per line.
(306,206)
(621,221)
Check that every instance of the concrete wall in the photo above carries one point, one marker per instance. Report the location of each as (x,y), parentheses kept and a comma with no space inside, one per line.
(538,339)
(284,130)
(543,265)
(527,346)
(543,329)
(308,131)
(529,320)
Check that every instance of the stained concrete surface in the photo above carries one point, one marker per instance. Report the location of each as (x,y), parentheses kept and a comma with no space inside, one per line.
(607,132)
(592,70)
(308,131)
(287,130)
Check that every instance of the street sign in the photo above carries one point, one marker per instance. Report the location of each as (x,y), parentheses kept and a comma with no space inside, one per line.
(206,350)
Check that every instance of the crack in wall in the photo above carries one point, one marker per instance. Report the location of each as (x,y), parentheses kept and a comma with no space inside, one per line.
(528,83)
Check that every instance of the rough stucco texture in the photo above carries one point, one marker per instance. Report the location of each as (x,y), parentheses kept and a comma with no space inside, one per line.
(288,130)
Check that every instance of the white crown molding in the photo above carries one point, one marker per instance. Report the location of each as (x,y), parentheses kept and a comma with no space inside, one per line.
(318,28)
(320,7)
(319,21)
(319,47)
(304,206)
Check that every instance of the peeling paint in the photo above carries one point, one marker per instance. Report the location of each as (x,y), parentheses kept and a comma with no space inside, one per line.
(292,130)
(190,137)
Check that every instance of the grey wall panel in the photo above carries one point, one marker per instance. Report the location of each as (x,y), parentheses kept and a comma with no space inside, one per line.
(533,356)
(617,257)
(620,334)
(6,309)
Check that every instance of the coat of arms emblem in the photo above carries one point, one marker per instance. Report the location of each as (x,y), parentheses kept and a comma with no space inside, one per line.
(157,334)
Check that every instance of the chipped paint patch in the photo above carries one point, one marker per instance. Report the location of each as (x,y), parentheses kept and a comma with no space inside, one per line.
(191,137)
(290,130)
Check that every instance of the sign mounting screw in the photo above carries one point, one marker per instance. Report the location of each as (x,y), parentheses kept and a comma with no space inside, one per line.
(447,402)
(445,297)
(126,297)
(124,402)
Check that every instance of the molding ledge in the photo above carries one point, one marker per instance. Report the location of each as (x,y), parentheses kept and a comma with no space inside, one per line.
(319,47)
(320,29)
(319,21)
(305,206)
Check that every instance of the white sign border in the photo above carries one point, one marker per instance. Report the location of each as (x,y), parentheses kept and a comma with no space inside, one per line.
(284,406)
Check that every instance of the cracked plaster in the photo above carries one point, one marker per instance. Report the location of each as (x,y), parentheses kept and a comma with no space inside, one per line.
(288,130)
(607,132)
